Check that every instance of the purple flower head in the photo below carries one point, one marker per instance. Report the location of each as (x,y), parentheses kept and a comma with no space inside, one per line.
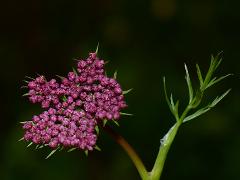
(74,106)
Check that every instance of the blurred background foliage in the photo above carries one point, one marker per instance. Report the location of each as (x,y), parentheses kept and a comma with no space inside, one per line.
(144,40)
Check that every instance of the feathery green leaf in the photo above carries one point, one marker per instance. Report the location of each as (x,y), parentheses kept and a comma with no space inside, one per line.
(207,108)
(199,75)
(189,84)
(215,80)
(166,96)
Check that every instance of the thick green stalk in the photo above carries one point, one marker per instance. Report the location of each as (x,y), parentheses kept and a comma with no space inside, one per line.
(166,143)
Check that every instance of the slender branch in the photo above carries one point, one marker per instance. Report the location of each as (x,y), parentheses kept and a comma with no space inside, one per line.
(129,150)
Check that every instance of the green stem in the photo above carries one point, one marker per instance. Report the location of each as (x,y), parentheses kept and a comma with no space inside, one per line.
(130,151)
(163,151)
(166,143)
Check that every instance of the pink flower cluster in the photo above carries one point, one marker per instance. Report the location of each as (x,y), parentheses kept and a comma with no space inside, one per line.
(74,107)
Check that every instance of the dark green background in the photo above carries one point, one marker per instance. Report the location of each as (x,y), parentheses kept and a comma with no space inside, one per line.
(144,40)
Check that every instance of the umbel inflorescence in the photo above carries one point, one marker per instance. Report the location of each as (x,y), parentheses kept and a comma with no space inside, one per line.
(73,107)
